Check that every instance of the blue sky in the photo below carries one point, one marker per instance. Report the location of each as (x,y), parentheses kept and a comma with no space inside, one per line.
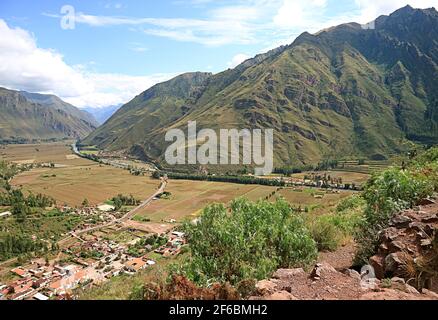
(118,49)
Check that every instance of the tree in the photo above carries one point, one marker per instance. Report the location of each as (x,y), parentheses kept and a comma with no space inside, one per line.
(85,203)
(156,175)
(118,203)
(20,210)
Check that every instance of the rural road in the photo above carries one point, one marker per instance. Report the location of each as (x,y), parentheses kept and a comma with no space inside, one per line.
(127,216)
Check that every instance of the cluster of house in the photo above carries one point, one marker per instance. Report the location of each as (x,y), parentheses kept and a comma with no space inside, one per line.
(318,183)
(103,214)
(173,245)
(92,262)
(41,281)
(87,211)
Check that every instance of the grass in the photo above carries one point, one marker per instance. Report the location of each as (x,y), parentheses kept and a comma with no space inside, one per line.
(338,224)
(71,185)
(306,197)
(190,197)
(58,152)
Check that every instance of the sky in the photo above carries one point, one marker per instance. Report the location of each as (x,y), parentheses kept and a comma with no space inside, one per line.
(98,53)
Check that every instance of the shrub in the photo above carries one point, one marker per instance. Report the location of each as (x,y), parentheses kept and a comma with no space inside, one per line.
(250,241)
(429,156)
(350,203)
(386,193)
(325,234)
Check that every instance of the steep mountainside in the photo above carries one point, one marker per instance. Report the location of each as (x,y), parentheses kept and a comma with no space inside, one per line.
(348,90)
(32,116)
(56,103)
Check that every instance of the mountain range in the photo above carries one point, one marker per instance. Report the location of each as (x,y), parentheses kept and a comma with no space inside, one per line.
(28,116)
(103,114)
(356,90)
(353,90)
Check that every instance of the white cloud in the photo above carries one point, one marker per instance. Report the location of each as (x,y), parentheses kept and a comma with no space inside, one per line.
(299,13)
(254,21)
(238,59)
(24,66)
(226,28)
(113,6)
(371,9)
(112,89)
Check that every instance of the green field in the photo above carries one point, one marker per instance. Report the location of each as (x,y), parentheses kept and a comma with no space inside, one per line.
(189,197)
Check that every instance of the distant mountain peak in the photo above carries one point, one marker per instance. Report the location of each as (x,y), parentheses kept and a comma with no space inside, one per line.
(29,116)
(348,90)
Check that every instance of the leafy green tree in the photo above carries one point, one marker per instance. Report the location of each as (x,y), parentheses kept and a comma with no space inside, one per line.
(118,204)
(20,210)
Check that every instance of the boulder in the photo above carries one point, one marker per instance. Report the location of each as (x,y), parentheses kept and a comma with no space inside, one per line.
(430,218)
(322,270)
(417,226)
(378,263)
(281,296)
(430,294)
(393,262)
(396,246)
(410,289)
(353,274)
(426,243)
(389,234)
(370,284)
(383,248)
(401,221)
(265,287)
(398,280)
(426,202)
(284,274)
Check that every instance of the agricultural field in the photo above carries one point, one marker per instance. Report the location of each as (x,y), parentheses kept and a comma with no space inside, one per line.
(57,153)
(188,198)
(366,166)
(318,201)
(74,179)
(94,182)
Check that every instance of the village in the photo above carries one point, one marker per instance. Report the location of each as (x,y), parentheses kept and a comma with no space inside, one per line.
(88,260)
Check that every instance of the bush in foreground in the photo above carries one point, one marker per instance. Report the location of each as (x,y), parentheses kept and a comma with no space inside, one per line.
(333,229)
(249,241)
(391,191)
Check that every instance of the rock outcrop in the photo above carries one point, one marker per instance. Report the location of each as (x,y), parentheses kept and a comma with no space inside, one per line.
(407,244)
(326,283)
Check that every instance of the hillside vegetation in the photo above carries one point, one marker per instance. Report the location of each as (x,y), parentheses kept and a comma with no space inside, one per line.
(343,91)
(26,117)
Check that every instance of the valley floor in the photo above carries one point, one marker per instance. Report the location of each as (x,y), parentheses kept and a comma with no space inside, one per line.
(109,249)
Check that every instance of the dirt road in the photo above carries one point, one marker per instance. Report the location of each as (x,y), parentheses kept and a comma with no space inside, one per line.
(127,216)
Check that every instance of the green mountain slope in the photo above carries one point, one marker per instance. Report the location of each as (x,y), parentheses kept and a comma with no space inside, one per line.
(32,116)
(56,103)
(344,91)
